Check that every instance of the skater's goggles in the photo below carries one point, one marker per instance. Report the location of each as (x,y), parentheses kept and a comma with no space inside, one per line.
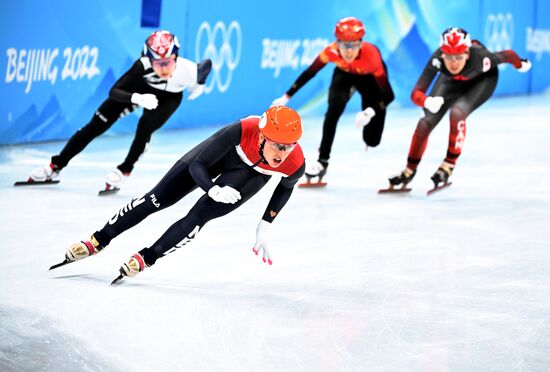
(165,62)
(349,44)
(281,146)
(455,57)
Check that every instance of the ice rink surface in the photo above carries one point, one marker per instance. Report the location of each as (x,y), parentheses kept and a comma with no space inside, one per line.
(458,281)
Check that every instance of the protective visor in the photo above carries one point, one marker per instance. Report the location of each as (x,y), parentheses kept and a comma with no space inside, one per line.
(281,146)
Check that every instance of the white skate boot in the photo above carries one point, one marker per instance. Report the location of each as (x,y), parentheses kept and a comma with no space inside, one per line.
(83,249)
(45,174)
(113,180)
(134,266)
(314,170)
(80,250)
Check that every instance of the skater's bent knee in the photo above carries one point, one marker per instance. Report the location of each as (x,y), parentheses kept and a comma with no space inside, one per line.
(371,142)
(457,113)
(425,126)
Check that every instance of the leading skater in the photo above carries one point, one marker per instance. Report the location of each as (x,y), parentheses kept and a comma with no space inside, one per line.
(359,67)
(156,82)
(468,76)
(243,156)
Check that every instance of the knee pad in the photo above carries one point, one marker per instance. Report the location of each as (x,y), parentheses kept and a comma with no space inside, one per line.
(457,114)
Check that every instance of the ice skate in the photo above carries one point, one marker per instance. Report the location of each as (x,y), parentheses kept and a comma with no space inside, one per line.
(113,180)
(134,266)
(42,176)
(314,174)
(441,177)
(80,250)
(401,180)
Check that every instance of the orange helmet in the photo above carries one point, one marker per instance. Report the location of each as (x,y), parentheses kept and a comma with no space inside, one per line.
(349,29)
(281,124)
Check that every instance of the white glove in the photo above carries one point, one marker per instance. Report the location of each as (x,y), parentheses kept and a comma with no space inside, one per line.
(225,194)
(281,101)
(364,117)
(262,236)
(148,101)
(525,66)
(196,91)
(433,104)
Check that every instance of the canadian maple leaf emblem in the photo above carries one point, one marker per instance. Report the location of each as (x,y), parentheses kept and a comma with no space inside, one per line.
(161,42)
(454,38)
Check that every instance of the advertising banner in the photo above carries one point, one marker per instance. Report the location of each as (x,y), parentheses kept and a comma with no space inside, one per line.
(59,60)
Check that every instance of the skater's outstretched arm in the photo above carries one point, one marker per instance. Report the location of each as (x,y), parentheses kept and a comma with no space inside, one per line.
(304,77)
(418,94)
(121,90)
(511,57)
(307,75)
(281,194)
(380,74)
(280,197)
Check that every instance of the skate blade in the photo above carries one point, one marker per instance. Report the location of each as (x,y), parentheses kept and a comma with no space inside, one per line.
(438,188)
(313,185)
(114,190)
(117,279)
(393,190)
(60,264)
(29,182)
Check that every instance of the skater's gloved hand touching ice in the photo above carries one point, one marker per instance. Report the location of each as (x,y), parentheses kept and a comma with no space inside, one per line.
(225,194)
(281,101)
(433,104)
(262,236)
(148,101)
(364,117)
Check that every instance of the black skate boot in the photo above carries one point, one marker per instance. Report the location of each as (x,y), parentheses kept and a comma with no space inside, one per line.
(402,179)
(441,176)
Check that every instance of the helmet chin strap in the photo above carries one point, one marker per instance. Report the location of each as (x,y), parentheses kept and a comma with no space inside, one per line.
(261,152)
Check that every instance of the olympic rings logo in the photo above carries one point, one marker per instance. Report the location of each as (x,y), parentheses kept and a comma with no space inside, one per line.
(223,46)
(499,31)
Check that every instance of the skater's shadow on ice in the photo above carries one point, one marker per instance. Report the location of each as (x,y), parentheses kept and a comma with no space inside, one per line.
(98,279)
(86,277)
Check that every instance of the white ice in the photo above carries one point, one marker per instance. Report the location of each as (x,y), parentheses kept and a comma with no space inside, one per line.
(458,281)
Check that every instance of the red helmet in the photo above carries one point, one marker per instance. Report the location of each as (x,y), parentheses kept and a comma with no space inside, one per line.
(281,124)
(349,29)
(160,45)
(455,40)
